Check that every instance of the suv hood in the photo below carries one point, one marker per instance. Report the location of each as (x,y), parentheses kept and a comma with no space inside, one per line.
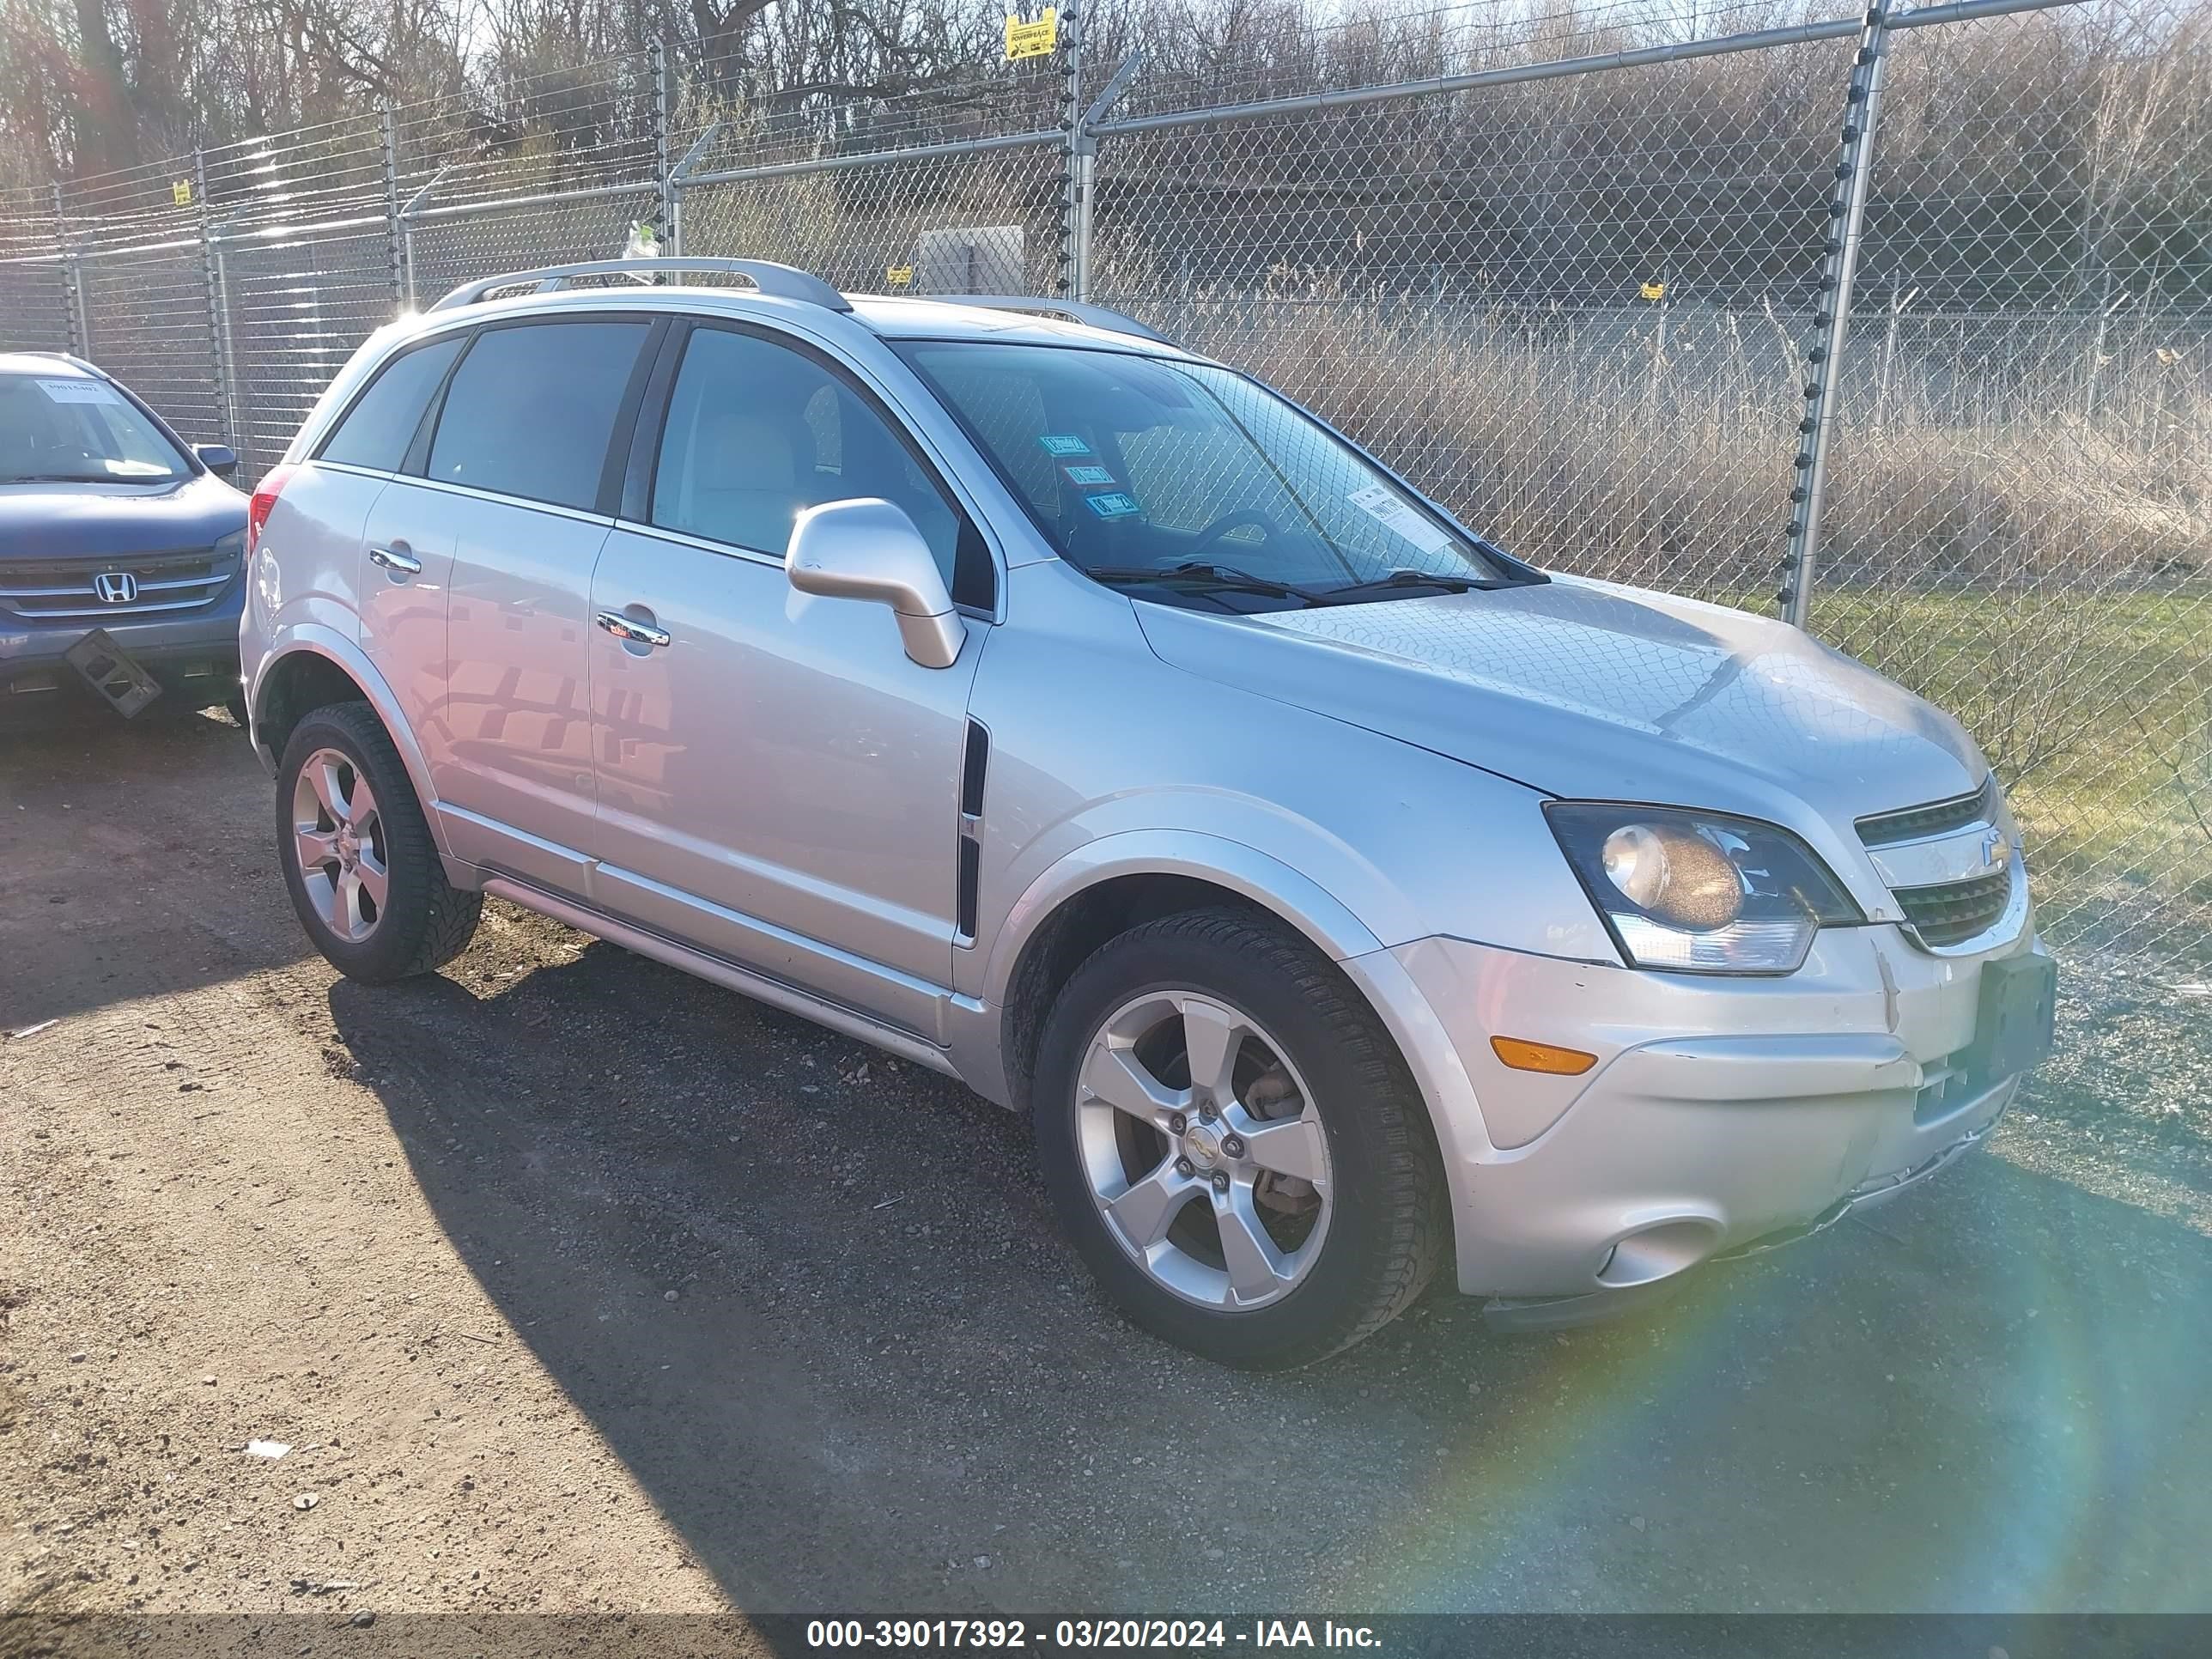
(1593,690)
(66,520)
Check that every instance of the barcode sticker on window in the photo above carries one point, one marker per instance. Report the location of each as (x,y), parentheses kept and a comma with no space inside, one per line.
(1394,512)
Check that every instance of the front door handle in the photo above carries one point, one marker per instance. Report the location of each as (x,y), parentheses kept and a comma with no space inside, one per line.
(630,629)
(391,559)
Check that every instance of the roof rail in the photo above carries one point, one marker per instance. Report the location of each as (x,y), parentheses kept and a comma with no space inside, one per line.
(1067,311)
(69,357)
(778,282)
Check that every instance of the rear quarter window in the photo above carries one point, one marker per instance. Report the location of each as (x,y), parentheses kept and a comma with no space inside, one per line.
(382,423)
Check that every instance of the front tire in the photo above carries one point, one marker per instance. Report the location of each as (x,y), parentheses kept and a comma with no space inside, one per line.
(1233,1145)
(358,858)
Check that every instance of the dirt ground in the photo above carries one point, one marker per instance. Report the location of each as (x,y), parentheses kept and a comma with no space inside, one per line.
(576,1285)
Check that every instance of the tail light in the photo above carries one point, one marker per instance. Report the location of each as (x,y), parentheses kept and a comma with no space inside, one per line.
(263,503)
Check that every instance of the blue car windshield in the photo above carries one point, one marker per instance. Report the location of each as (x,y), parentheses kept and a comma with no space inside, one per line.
(71,429)
(1165,475)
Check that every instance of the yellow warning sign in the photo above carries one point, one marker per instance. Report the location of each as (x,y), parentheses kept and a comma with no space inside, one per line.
(899,275)
(181,192)
(1653,291)
(1037,40)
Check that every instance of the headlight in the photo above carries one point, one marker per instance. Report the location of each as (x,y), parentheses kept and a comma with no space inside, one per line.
(231,546)
(1700,892)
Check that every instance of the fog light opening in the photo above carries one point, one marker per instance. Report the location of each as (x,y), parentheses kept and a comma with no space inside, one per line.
(1660,1251)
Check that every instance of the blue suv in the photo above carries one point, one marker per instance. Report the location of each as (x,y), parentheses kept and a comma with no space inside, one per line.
(110,521)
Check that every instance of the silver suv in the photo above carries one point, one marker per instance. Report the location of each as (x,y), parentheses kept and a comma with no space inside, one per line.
(994,683)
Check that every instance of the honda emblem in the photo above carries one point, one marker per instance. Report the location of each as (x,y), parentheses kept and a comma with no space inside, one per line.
(115,586)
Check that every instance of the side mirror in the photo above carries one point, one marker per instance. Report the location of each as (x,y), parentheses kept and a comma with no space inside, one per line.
(218,458)
(869,548)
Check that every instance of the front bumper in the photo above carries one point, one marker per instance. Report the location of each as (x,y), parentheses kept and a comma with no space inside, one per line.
(1562,1312)
(194,655)
(1722,1115)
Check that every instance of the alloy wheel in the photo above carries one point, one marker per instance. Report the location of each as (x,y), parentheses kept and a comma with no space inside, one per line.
(1204,1150)
(338,836)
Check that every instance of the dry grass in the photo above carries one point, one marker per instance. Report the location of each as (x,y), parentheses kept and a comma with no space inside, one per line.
(1660,452)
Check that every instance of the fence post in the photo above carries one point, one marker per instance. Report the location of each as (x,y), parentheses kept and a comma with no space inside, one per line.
(1083,171)
(218,298)
(1846,218)
(394,250)
(1072,279)
(407,212)
(664,106)
(80,334)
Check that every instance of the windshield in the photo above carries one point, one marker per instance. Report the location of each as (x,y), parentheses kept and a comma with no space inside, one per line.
(1194,485)
(67,429)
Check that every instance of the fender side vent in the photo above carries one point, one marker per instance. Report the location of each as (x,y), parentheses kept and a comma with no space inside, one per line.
(971,875)
(973,767)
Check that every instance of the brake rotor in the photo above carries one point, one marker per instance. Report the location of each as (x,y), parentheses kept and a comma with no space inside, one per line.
(1273,1094)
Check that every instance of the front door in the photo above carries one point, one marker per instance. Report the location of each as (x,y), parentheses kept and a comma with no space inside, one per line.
(777,781)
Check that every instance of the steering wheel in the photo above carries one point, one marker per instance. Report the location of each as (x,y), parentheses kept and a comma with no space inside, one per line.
(1229,521)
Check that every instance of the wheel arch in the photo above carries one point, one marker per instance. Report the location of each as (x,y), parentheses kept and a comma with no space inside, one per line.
(313,668)
(1118,883)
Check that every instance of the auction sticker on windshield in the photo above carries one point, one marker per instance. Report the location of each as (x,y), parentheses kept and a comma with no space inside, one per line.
(1089,474)
(1393,512)
(1063,443)
(1117,504)
(80,392)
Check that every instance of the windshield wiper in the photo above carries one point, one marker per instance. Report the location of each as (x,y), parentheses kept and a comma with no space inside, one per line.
(1397,579)
(55,477)
(1222,578)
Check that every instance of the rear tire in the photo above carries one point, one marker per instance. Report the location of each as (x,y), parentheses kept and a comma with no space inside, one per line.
(358,858)
(1311,1129)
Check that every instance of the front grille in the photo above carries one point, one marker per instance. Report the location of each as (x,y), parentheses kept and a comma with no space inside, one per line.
(1937,818)
(1957,911)
(64,590)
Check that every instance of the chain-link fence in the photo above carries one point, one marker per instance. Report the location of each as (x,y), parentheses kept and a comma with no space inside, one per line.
(1894,320)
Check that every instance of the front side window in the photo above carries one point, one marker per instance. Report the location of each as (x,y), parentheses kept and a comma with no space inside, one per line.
(382,424)
(1190,484)
(71,429)
(531,410)
(758,432)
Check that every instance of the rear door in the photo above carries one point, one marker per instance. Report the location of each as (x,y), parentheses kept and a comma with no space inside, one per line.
(403,554)
(521,468)
(326,518)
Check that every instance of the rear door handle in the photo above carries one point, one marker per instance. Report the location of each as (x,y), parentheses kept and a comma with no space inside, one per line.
(630,629)
(391,559)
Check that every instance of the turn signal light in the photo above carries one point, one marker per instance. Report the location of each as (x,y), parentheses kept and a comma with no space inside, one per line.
(1524,1056)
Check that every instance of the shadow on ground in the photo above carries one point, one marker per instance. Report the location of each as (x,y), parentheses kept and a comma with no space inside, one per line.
(134,860)
(882,1382)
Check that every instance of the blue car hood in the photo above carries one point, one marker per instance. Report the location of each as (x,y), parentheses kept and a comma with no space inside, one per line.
(67,520)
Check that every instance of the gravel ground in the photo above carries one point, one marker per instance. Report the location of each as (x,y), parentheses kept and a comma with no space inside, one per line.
(576,1285)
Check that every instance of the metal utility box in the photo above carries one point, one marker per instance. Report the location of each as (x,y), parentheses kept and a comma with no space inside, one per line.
(980,259)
